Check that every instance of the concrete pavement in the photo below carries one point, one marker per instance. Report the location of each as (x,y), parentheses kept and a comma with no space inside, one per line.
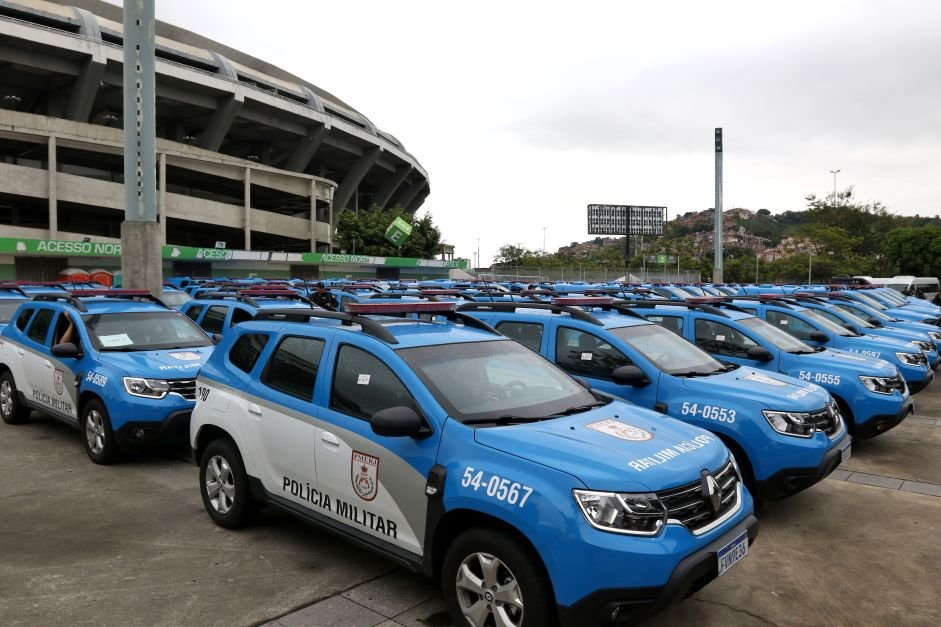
(131,544)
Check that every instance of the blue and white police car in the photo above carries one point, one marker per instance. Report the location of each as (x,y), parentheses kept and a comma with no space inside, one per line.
(462,455)
(118,364)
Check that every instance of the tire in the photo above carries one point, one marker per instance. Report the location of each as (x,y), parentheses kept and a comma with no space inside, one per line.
(485,572)
(223,485)
(11,410)
(97,434)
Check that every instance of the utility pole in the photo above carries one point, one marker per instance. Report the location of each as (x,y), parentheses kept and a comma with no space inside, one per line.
(834,173)
(543,240)
(141,241)
(717,259)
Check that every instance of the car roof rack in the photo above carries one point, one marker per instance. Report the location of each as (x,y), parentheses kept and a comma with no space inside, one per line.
(712,308)
(369,325)
(13,287)
(575,311)
(74,297)
(775,299)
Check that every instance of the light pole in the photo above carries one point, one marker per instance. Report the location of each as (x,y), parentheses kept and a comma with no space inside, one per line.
(543,240)
(834,173)
(810,264)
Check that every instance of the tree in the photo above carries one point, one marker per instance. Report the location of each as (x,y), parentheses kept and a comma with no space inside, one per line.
(364,233)
(915,250)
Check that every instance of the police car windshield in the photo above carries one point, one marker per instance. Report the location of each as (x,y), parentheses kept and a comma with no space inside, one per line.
(832,327)
(481,382)
(850,318)
(872,313)
(7,307)
(668,351)
(175,299)
(775,336)
(144,331)
(872,302)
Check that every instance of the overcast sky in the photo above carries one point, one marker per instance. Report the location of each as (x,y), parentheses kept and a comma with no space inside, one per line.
(524,112)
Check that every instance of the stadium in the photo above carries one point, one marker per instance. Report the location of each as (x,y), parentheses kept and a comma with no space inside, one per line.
(254,164)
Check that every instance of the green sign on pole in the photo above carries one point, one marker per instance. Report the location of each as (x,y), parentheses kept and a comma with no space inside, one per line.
(398,232)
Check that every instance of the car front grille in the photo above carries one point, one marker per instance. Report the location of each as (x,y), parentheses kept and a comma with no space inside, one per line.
(896,383)
(184,387)
(826,419)
(687,505)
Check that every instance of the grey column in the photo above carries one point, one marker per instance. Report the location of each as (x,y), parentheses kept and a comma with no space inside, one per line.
(313,216)
(413,206)
(330,191)
(162,196)
(86,86)
(306,149)
(407,195)
(53,192)
(248,208)
(221,121)
(392,184)
(353,178)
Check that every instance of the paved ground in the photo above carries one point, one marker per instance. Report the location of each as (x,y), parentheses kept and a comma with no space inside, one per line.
(131,544)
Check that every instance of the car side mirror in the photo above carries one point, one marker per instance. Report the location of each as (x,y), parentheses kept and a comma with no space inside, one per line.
(397,422)
(759,353)
(67,350)
(216,338)
(849,327)
(630,375)
(875,322)
(818,336)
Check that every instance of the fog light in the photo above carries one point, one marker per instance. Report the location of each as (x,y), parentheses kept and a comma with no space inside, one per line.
(140,434)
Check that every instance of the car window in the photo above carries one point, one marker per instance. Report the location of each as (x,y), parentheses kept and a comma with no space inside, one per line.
(792,324)
(244,353)
(363,385)
(753,311)
(721,339)
(23,318)
(7,308)
(293,365)
(214,320)
(587,355)
(39,328)
(670,323)
(193,312)
(240,315)
(529,334)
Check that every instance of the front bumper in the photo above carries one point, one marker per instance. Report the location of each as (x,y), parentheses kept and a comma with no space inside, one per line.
(914,387)
(880,424)
(789,481)
(625,606)
(140,434)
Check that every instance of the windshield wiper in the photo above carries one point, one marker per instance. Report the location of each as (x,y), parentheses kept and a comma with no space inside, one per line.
(506,419)
(578,409)
(695,373)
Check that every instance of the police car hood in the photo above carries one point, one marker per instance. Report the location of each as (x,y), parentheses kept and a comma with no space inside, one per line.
(177,363)
(879,344)
(837,361)
(618,447)
(774,391)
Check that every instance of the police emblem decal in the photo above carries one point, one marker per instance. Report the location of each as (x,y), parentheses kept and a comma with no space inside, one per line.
(58,381)
(364,473)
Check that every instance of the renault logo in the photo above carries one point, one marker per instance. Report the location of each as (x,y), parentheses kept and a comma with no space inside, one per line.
(711,491)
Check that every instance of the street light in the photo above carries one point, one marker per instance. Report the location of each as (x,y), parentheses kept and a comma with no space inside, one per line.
(543,240)
(478,258)
(834,173)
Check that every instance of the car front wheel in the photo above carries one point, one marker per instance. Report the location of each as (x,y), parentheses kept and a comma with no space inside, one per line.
(223,484)
(99,441)
(12,412)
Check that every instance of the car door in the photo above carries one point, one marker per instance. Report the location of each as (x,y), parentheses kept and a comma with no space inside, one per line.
(726,343)
(280,418)
(799,328)
(37,366)
(63,372)
(587,355)
(376,484)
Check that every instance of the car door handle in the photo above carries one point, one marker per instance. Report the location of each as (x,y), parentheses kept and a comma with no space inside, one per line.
(254,409)
(20,352)
(47,364)
(329,439)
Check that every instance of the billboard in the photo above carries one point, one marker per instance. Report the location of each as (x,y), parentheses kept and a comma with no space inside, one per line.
(615,219)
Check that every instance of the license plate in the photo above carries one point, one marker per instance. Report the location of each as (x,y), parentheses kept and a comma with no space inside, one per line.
(845,453)
(732,553)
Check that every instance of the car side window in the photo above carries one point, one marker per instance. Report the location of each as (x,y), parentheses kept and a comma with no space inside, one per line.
(193,312)
(39,329)
(244,353)
(364,385)
(240,315)
(293,366)
(791,324)
(23,319)
(721,339)
(670,323)
(750,310)
(529,334)
(587,355)
(214,320)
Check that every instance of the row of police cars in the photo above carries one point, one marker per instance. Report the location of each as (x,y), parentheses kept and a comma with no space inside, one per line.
(573,453)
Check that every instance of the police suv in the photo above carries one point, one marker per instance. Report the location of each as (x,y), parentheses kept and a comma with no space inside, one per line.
(462,455)
(786,434)
(118,364)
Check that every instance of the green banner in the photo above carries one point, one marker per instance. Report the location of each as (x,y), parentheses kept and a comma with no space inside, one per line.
(16,245)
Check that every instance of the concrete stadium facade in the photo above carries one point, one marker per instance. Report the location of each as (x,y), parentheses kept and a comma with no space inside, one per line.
(248,154)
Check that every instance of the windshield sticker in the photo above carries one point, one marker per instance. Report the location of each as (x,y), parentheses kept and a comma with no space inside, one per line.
(586,356)
(665,455)
(782,321)
(620,430)
(363,379)
(111,341)
(720,338)
(757,377)
(186,356)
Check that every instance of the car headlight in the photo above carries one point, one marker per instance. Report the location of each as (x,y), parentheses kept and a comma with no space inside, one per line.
(148,388)
(790,423)
(925,346)
(934,335)
(633,514)
(879,385)
(912,359)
